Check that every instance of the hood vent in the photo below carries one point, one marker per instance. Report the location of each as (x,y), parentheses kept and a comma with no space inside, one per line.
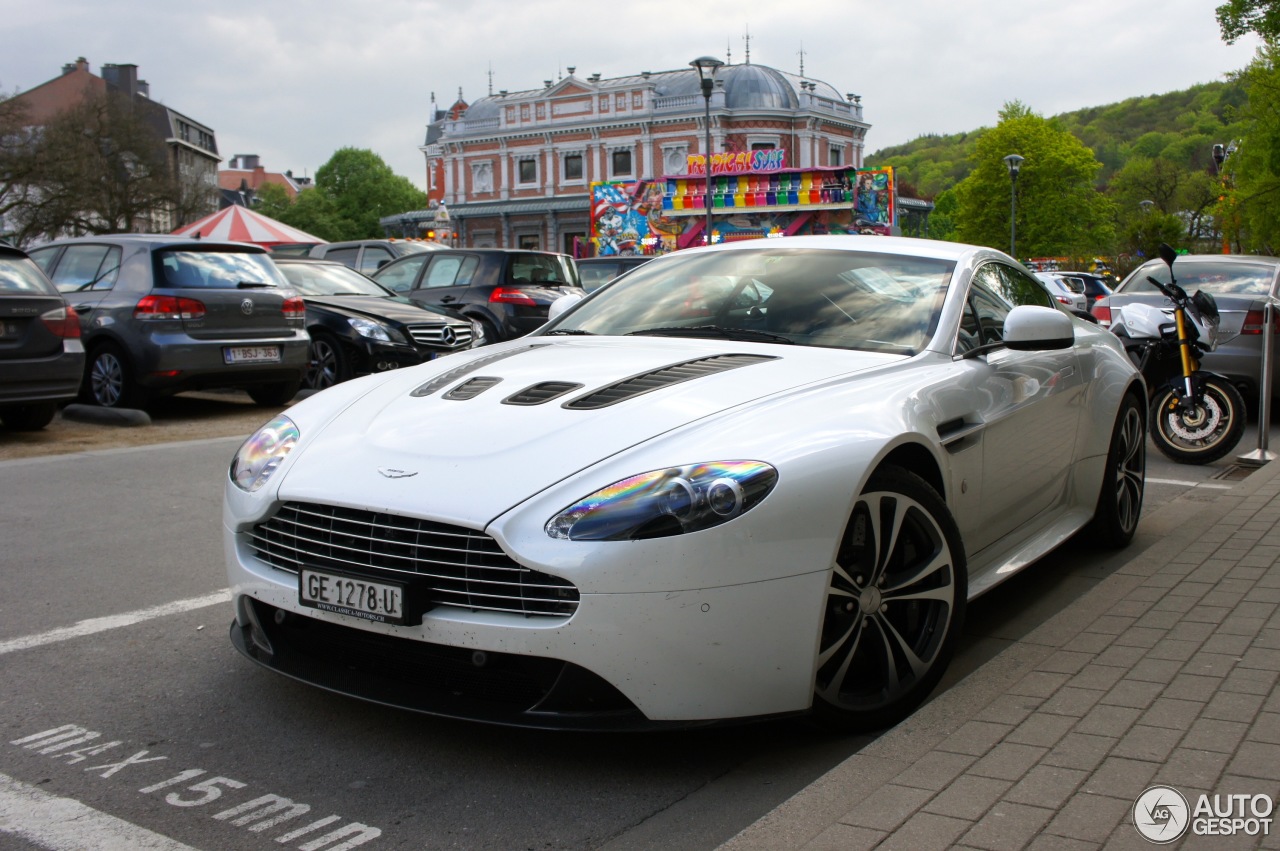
(446,378)
(647,382)
(471,388)
(539,393)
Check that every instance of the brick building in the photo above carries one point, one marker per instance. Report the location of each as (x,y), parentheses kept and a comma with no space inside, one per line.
(514,169)
(245,175)
(191,147)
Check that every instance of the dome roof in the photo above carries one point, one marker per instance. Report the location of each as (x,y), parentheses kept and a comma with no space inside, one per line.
(745,86)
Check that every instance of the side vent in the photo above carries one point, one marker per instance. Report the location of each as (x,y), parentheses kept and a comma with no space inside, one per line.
(471,388)
(444,379)
(666,376)
(539,393)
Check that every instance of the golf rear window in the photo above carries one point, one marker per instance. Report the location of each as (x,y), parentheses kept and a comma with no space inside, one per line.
(215,270)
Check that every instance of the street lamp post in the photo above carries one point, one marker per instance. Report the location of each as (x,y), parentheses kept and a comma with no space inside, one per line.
(1014,162)
(707,66)
(1220,154)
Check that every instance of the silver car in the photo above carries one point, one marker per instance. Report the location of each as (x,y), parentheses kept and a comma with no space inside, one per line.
(163,314)
(1241,286)
(1066,290)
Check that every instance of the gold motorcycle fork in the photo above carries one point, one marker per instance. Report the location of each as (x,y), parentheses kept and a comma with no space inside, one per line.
(1189,363)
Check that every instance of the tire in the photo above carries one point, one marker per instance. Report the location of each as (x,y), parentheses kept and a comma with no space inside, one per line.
(1211,433)
(1115,519)
(32,417)
(274,395)
(109,380)
(894,606)
(328,364)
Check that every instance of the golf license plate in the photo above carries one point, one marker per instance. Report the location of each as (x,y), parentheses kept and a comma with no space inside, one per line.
(356,596)
(251,354)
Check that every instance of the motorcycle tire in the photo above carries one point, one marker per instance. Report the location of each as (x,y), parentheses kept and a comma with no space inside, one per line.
(1210,433)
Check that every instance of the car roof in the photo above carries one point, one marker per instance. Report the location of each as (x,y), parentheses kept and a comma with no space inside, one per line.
(617,258)
(155,240)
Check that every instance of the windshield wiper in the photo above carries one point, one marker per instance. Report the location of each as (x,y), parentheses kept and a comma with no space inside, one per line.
(712,331)
(568,331)
(254,285)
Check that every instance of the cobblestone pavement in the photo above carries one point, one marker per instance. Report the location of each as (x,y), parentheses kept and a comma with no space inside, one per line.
(1162,675)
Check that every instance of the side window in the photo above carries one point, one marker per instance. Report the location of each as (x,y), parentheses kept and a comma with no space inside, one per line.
(44,258)
(982,321)
(374,258)
(345,256)
(82,267)
(1019,289)
(400,277)
(443,272)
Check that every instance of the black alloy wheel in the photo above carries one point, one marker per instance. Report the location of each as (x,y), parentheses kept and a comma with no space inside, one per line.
(109,379)
(894,608)
(329,364)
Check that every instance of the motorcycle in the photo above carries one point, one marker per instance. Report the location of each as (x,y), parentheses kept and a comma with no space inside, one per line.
(1196,417)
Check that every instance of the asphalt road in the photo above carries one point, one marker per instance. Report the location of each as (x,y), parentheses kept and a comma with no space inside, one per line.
(129,719)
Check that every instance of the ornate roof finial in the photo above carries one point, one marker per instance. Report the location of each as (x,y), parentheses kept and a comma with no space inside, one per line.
(801,52)
(728,52)
(747,38)
(490,79)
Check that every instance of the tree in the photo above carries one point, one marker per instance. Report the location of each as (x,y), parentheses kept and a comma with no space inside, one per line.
(1060,213)
(363,189)
(1251,175)
(312,211)
(1240,17)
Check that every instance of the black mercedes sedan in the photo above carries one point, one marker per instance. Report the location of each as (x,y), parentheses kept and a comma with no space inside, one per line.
(358,327)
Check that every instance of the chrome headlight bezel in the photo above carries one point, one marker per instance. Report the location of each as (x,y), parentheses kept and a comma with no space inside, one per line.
(662,503)
(371,330)
(264,451)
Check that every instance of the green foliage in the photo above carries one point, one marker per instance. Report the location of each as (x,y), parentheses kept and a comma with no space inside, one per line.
(363,189)
(1240,17)
(1059,212)
(1251,175)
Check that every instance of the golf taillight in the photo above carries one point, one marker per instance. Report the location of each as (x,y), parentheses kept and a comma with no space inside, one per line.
(168,307)
(63,321)
(1253,323)
(294,308)
(506,295)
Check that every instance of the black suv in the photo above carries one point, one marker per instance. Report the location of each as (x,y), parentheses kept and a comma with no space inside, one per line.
(163,314)
(598,271)
(508,291)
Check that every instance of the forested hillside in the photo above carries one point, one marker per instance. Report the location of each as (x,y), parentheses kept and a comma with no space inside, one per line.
(1180,127)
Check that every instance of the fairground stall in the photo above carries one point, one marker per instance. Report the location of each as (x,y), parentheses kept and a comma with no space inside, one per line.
(752,196)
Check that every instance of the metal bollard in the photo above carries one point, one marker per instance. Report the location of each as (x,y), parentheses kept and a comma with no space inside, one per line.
(1262,455)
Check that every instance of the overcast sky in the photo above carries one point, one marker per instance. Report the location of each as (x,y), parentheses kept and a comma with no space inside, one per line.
(295,81)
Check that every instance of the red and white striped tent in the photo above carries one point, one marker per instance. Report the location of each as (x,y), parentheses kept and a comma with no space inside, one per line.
(244,225)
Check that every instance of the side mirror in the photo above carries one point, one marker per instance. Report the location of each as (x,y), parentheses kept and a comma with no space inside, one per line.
(1167,254)
(562,304)
(1030,328)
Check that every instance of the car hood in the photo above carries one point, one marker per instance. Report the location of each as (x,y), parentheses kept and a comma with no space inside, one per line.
(374,307)
(419,443)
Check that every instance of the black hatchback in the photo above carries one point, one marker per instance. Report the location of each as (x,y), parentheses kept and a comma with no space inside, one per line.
(41,356)
(164,314)
(508,291)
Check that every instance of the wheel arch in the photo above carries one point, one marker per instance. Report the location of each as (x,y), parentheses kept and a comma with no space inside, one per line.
(916,458)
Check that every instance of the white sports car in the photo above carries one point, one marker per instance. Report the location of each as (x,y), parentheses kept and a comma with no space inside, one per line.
(752,480)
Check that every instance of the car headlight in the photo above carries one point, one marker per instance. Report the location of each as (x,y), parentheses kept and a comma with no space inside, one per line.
(477,334)
(666,502)
(375,330)
(260,455)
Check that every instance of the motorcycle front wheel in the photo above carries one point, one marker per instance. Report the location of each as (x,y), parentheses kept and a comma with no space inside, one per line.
(1204,434)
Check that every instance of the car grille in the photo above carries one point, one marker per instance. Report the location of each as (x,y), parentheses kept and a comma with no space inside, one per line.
(455,566)
(434,335)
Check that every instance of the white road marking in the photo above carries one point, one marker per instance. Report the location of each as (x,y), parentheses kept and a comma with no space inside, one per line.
(1213,485)
(63,824)
(93,625)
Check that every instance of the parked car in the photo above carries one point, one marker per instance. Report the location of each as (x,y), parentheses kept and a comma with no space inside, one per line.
(41,354)
(164,314)
(508,291)
(1095,286)
(369,255)
(755,479)
(357,326)
(1065,290)
(595,272)
(1241,286)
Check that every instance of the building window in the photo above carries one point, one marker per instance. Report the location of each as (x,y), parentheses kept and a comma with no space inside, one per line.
(528,171)
(835,156)
(573,166)
(529,242)
(763,146)
(621,162)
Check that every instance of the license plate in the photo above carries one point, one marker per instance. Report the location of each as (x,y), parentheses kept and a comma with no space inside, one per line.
(251,354)
(9,330)
(351,595)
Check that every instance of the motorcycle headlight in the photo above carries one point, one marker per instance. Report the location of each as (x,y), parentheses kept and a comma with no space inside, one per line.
(661,503)
(375,330)
(260,455)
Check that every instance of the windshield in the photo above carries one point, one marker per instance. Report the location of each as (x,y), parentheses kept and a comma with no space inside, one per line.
(330,279)
(828,298)
(1220,279)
